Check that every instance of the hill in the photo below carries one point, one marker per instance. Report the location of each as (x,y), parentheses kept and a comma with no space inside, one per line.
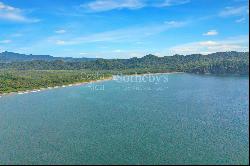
(8,57)
(216,63)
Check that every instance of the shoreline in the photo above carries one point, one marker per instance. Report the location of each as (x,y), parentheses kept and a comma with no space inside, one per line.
(54,87)
(78,84)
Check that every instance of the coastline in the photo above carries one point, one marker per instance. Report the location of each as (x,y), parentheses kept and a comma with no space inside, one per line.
(55,87)
(78,84)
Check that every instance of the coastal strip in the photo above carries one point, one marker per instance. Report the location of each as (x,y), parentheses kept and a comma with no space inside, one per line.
(55,87)
(80,83)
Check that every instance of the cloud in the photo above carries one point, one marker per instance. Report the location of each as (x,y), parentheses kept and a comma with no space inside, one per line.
(239,43)
(235,11)
(167,3)
(6,7)
(132,34)
(241,20)
(60,42)
(107,5)
(117,51)
(5,41)
(10,13)
(211,33)
(17,35)
(61,31)
(83,53)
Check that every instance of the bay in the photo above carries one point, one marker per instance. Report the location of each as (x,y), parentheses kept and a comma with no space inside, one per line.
(151,119)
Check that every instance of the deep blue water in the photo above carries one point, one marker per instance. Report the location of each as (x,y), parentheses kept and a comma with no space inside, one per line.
(166,119)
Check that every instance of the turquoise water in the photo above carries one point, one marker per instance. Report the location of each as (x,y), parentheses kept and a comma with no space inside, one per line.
(169,119)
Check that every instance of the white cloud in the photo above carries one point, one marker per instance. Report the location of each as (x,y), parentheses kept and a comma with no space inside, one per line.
(211,33)
(239,43)
(167,3)
(208,43)
(17,35)
(132,34)
(83,53)
(174,23)
(241,20)
(117,51)
(106,5)
(61,31)
(7,8)
(10,13)
(234,11)
(5,41)
(60,42)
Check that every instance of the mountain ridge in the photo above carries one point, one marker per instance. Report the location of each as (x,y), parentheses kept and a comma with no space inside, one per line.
(216,63)
(7,56)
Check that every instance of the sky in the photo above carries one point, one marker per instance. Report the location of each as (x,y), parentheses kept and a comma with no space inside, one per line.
(123,28)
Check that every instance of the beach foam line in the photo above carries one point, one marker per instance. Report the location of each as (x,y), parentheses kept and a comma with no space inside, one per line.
(49,88)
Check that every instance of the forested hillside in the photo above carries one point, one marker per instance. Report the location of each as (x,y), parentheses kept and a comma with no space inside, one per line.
(217,63)
(16,57)
(27,75)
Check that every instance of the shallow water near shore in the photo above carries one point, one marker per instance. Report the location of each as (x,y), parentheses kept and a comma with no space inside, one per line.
(166,119)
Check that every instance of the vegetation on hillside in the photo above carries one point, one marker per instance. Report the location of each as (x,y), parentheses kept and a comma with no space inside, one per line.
(26,75)
(217,63)
(18,80)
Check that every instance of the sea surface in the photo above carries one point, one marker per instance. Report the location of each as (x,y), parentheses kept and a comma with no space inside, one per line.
(150,119)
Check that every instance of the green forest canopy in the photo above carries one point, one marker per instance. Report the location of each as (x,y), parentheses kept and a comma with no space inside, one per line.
(36,74)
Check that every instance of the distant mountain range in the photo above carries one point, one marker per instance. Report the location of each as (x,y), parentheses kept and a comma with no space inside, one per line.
(16,57)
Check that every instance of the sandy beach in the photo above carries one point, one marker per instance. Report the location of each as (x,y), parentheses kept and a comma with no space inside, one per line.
(55,87)
(78,84)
